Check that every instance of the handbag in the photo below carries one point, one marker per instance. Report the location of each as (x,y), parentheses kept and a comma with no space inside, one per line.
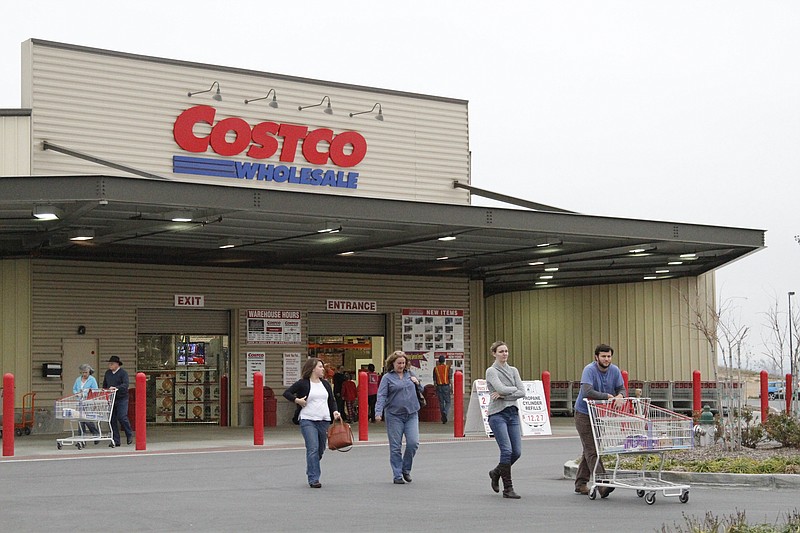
(420,397)
(340,436)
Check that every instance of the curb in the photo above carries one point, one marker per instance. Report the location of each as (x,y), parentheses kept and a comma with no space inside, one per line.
(714,479)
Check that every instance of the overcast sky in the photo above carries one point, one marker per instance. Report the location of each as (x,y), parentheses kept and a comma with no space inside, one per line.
(681,111)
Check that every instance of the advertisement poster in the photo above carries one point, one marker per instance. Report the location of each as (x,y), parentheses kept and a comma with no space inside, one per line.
(532,409)
(256,362)
(434,331)
(273,326)
(292,362)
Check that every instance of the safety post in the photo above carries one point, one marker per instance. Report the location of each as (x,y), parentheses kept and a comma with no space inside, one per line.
(141,410)
(788,392)
(697,393)
(546,385)
(624,381)
(458,404)
(258,409)
(8,415)
(363,406)
(223,400)
(764,395)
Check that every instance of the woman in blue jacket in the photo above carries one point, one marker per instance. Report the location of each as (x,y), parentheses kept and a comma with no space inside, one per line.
(316,407)
(83,384)
(398,403)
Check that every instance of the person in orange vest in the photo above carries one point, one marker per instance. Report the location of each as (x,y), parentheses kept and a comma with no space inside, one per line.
(443,379)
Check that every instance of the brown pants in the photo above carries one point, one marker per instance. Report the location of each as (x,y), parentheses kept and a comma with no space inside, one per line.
(589,456)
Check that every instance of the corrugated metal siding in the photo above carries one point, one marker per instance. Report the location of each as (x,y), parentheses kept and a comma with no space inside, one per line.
(15,145)
(15,323)
(122,108)
(347,323)
(105,298)
(183,321)
(648,324)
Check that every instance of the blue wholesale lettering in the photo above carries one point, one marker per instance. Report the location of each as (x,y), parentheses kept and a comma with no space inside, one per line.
(302,176)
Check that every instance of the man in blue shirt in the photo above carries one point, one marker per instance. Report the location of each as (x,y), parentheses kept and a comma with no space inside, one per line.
(600,380)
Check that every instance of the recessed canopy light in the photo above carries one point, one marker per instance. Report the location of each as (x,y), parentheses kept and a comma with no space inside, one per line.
(181,218)
(47,212)
(675,263)
(651,277)
(81,235)
(442,258)
(637,250)
(553,268)
(688,256)
(346,253)
(541,283)
(536,263)
(448,238)
(546,277)
(662,271)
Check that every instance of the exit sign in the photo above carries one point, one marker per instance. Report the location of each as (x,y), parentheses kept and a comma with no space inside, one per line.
(190,300)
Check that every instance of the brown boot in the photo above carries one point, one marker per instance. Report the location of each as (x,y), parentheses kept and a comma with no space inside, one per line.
(508,486)
(494,475)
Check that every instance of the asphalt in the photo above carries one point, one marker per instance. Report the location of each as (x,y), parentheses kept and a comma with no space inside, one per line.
(197,438)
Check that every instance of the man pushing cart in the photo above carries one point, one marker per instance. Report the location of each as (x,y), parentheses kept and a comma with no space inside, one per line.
(86,412)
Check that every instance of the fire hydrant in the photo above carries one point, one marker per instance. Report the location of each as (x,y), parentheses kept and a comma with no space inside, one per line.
(706,429)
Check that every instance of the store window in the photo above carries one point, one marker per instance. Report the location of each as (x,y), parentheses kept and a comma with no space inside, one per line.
(183,376)
(352,352)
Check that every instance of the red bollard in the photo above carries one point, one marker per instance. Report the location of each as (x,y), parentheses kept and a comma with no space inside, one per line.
(141,409)
(258,409)
(363,407)
(788,393)
(458,404)
(764,395)
(8,414)
(223,400)
(546,385)
(624,380)
(697,393)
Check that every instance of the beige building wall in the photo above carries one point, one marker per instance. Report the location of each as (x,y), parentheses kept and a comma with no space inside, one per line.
(15,142)
(15,323)
(649,324)
(122,108)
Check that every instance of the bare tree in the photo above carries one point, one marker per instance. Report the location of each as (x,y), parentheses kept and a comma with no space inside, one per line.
(774,337)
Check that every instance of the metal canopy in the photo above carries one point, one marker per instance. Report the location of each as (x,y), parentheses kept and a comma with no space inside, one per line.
(132,222)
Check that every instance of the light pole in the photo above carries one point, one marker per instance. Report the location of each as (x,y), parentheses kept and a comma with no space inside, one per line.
(791,351)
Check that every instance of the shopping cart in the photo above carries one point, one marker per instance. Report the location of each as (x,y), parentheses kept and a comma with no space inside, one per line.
(86,412)
(634,426)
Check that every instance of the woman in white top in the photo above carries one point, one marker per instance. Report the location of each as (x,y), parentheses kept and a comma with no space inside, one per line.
(316,407)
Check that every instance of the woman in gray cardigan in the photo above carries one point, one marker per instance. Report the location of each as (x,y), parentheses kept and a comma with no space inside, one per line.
(505,387)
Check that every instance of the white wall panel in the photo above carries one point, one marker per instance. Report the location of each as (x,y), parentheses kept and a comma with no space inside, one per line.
(15,145)
(122,108)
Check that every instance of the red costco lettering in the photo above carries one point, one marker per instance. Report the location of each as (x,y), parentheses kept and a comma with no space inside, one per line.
(232,136)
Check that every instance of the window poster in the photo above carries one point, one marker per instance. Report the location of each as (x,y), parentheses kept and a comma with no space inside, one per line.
(256,362)
(292,362)
(273,326)
(434,331)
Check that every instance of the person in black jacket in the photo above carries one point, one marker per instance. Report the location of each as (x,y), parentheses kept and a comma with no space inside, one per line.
(117,379)
(316,408)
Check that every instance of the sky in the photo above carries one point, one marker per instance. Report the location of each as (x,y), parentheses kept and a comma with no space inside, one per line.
(678,111)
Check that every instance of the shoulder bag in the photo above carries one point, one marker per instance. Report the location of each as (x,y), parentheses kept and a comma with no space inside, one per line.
(340,436)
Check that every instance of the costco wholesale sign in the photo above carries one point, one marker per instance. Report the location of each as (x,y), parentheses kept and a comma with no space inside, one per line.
(273,326)
(234,136)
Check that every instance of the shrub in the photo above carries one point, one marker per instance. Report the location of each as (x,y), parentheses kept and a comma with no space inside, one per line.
(783,428)
(735,523)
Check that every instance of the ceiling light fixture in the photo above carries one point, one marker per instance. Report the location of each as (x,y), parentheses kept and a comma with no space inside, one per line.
(553,268)
(688,256)
(675,263)
(547,276)
(379,116)
(330,229)
(442,258)
(47,212)
(541,283)
(273,103)
(665,271)
(217,96)
(544,244)
(535,263)
(448,238)
(224,244)
(650,277)
(81,235)
(328,110)
(346,253)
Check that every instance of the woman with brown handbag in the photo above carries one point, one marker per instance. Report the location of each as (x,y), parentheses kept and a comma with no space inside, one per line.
(316,407)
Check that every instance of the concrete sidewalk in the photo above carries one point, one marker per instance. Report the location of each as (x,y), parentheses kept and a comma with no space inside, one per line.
(193,438)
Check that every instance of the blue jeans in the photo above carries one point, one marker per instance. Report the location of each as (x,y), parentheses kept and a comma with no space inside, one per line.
(120,416)
(315,434)
(443,393)
(396,427)
(508,434)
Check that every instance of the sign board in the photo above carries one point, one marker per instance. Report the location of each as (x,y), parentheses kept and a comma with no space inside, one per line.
(292,362)
(532,410)
(273,326)
(256,362)
(190,300)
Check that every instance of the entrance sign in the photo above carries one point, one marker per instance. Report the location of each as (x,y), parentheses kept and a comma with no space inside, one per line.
(273,326)
(352,306)
(532,410)
(256,362)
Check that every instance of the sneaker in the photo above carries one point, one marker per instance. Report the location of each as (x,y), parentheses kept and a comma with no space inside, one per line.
(407,477)
(315,485)
(583,489)
(398,481)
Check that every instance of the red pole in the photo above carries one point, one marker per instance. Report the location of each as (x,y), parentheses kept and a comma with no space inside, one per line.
(458,404)
(8,414)
(223,400)
(363,407)
(788,393)
(697,394)
(764,395)
(624,380)
(546,385)
(141,410)
(258,409)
